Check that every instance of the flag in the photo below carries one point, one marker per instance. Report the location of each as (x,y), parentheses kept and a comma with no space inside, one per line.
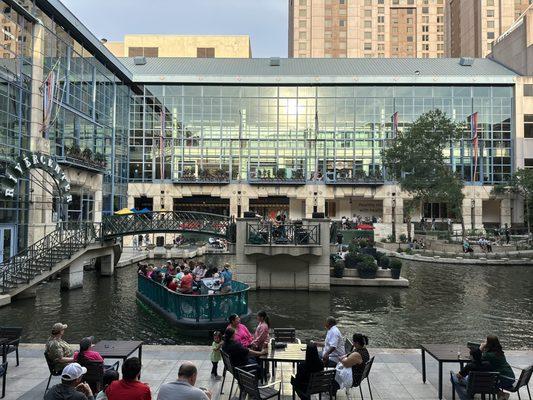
(162,145)
(475,141)
(315,175)
(48,99)
(395,124)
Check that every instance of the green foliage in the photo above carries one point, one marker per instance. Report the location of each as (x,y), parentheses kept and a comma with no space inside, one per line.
(353,247)
(367,266)
(416,159)
(391,238)
(338,269)
(395,264)
(384,262)
(403,238)
(352,259)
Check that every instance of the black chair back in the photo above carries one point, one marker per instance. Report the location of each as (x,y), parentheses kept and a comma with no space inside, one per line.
(348,345)
(51,366)
(227,362)
(321,382)
(525,377)
(285,335)
(368,367)
(3,369)
(248,383)
(94,375)
(482,383)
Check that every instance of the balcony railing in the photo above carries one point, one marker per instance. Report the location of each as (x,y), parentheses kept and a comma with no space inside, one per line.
(354,179)
(293,234)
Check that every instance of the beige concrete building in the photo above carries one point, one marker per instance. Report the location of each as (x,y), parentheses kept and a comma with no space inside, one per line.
(473,25)
(201,46)
(366,28)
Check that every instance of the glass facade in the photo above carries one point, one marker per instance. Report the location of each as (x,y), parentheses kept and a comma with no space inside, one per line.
(87,125)
(325,133)
(15,91)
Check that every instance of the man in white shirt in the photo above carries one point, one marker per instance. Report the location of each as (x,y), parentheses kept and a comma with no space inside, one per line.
(333,345)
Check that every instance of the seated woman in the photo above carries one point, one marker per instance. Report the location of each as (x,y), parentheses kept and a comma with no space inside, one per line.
(312,364)
(238,354)
(85,353)
(460,380)
(493,353)
(357,358)
(261,337)
(242,334)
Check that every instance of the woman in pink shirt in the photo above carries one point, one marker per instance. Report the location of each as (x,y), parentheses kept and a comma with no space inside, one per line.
(242,334)
(261,337)
(85,354)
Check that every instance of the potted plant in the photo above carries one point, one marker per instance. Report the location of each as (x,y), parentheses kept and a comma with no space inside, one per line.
(298,175)
(403,238)
(100,159)
(367,268)
(395,268)
(87,154)
(188,174)
(384,262)
(352,259)
(338,268)
(74,151)
(281,173)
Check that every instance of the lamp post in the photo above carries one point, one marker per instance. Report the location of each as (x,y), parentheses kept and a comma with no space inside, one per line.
(473,213)
(394,216)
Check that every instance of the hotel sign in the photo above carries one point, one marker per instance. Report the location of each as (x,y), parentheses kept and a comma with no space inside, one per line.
(21,167)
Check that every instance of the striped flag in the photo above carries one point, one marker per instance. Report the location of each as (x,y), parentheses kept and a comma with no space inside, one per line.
(315,175)
(48,99)
(162,145)
(395,124)
(475,141)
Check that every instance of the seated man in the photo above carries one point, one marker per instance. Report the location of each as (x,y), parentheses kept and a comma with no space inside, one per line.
(57,349)
(333,345)
(71,386)
(460,379)
(183,387)
(227,277)
(129,387)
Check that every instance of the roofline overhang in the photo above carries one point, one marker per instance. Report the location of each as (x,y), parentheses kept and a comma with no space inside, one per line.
(325,80)
(57,10)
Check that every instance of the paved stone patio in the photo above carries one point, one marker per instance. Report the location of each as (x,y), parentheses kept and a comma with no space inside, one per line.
(396,374)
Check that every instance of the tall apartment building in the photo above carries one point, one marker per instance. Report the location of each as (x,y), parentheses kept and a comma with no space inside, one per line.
(366,28)
(200,46)
(473,25)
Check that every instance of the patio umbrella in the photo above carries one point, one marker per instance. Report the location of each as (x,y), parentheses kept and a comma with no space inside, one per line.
(144,211)
(124,211)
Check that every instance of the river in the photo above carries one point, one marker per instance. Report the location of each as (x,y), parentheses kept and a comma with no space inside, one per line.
(445,303)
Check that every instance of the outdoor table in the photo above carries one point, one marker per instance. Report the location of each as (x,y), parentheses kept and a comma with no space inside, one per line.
(444,353)
(293,353)
(118,349)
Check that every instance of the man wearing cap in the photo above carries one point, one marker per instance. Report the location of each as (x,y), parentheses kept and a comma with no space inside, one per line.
(57,349)
(71,386)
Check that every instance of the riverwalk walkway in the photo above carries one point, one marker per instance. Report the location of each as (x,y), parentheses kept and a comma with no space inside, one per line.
(396,373)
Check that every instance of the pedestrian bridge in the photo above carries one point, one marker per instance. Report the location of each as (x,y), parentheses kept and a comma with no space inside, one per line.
(168,222)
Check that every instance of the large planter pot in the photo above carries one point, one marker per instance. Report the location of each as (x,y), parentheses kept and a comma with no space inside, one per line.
(395,273)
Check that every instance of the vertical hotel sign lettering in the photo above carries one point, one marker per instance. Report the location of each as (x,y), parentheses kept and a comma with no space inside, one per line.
(20,168)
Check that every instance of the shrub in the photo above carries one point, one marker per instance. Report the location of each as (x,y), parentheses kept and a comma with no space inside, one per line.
(338,268)
(351,260)
(395,264)
(333,259)
(391,238)
(363,243)
(383,240)
(353,248)
(403,238)
(399,250)
(367,268)
(384,262)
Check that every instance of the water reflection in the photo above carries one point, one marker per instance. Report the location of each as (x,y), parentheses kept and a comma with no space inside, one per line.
(443,304)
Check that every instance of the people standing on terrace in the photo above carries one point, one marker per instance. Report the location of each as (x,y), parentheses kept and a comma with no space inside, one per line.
(242,334)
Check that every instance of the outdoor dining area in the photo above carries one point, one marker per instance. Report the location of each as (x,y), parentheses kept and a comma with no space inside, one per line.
(388,374)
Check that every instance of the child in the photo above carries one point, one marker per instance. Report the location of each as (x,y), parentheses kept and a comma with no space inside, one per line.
(215,353)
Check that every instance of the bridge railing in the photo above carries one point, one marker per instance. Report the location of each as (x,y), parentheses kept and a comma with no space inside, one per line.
(296,234)
(58,245)
(167,221)
(200,308)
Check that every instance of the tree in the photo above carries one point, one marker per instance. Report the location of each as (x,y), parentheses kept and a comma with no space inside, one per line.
(416,159)
(520,184)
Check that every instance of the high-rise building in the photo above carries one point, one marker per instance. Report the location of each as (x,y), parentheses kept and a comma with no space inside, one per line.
(472,26)
(366,28)
(200,46)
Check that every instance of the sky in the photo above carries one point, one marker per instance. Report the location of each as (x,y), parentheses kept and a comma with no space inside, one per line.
(266,21)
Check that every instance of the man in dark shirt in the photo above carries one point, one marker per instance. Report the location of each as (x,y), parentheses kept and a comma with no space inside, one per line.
(71,386)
